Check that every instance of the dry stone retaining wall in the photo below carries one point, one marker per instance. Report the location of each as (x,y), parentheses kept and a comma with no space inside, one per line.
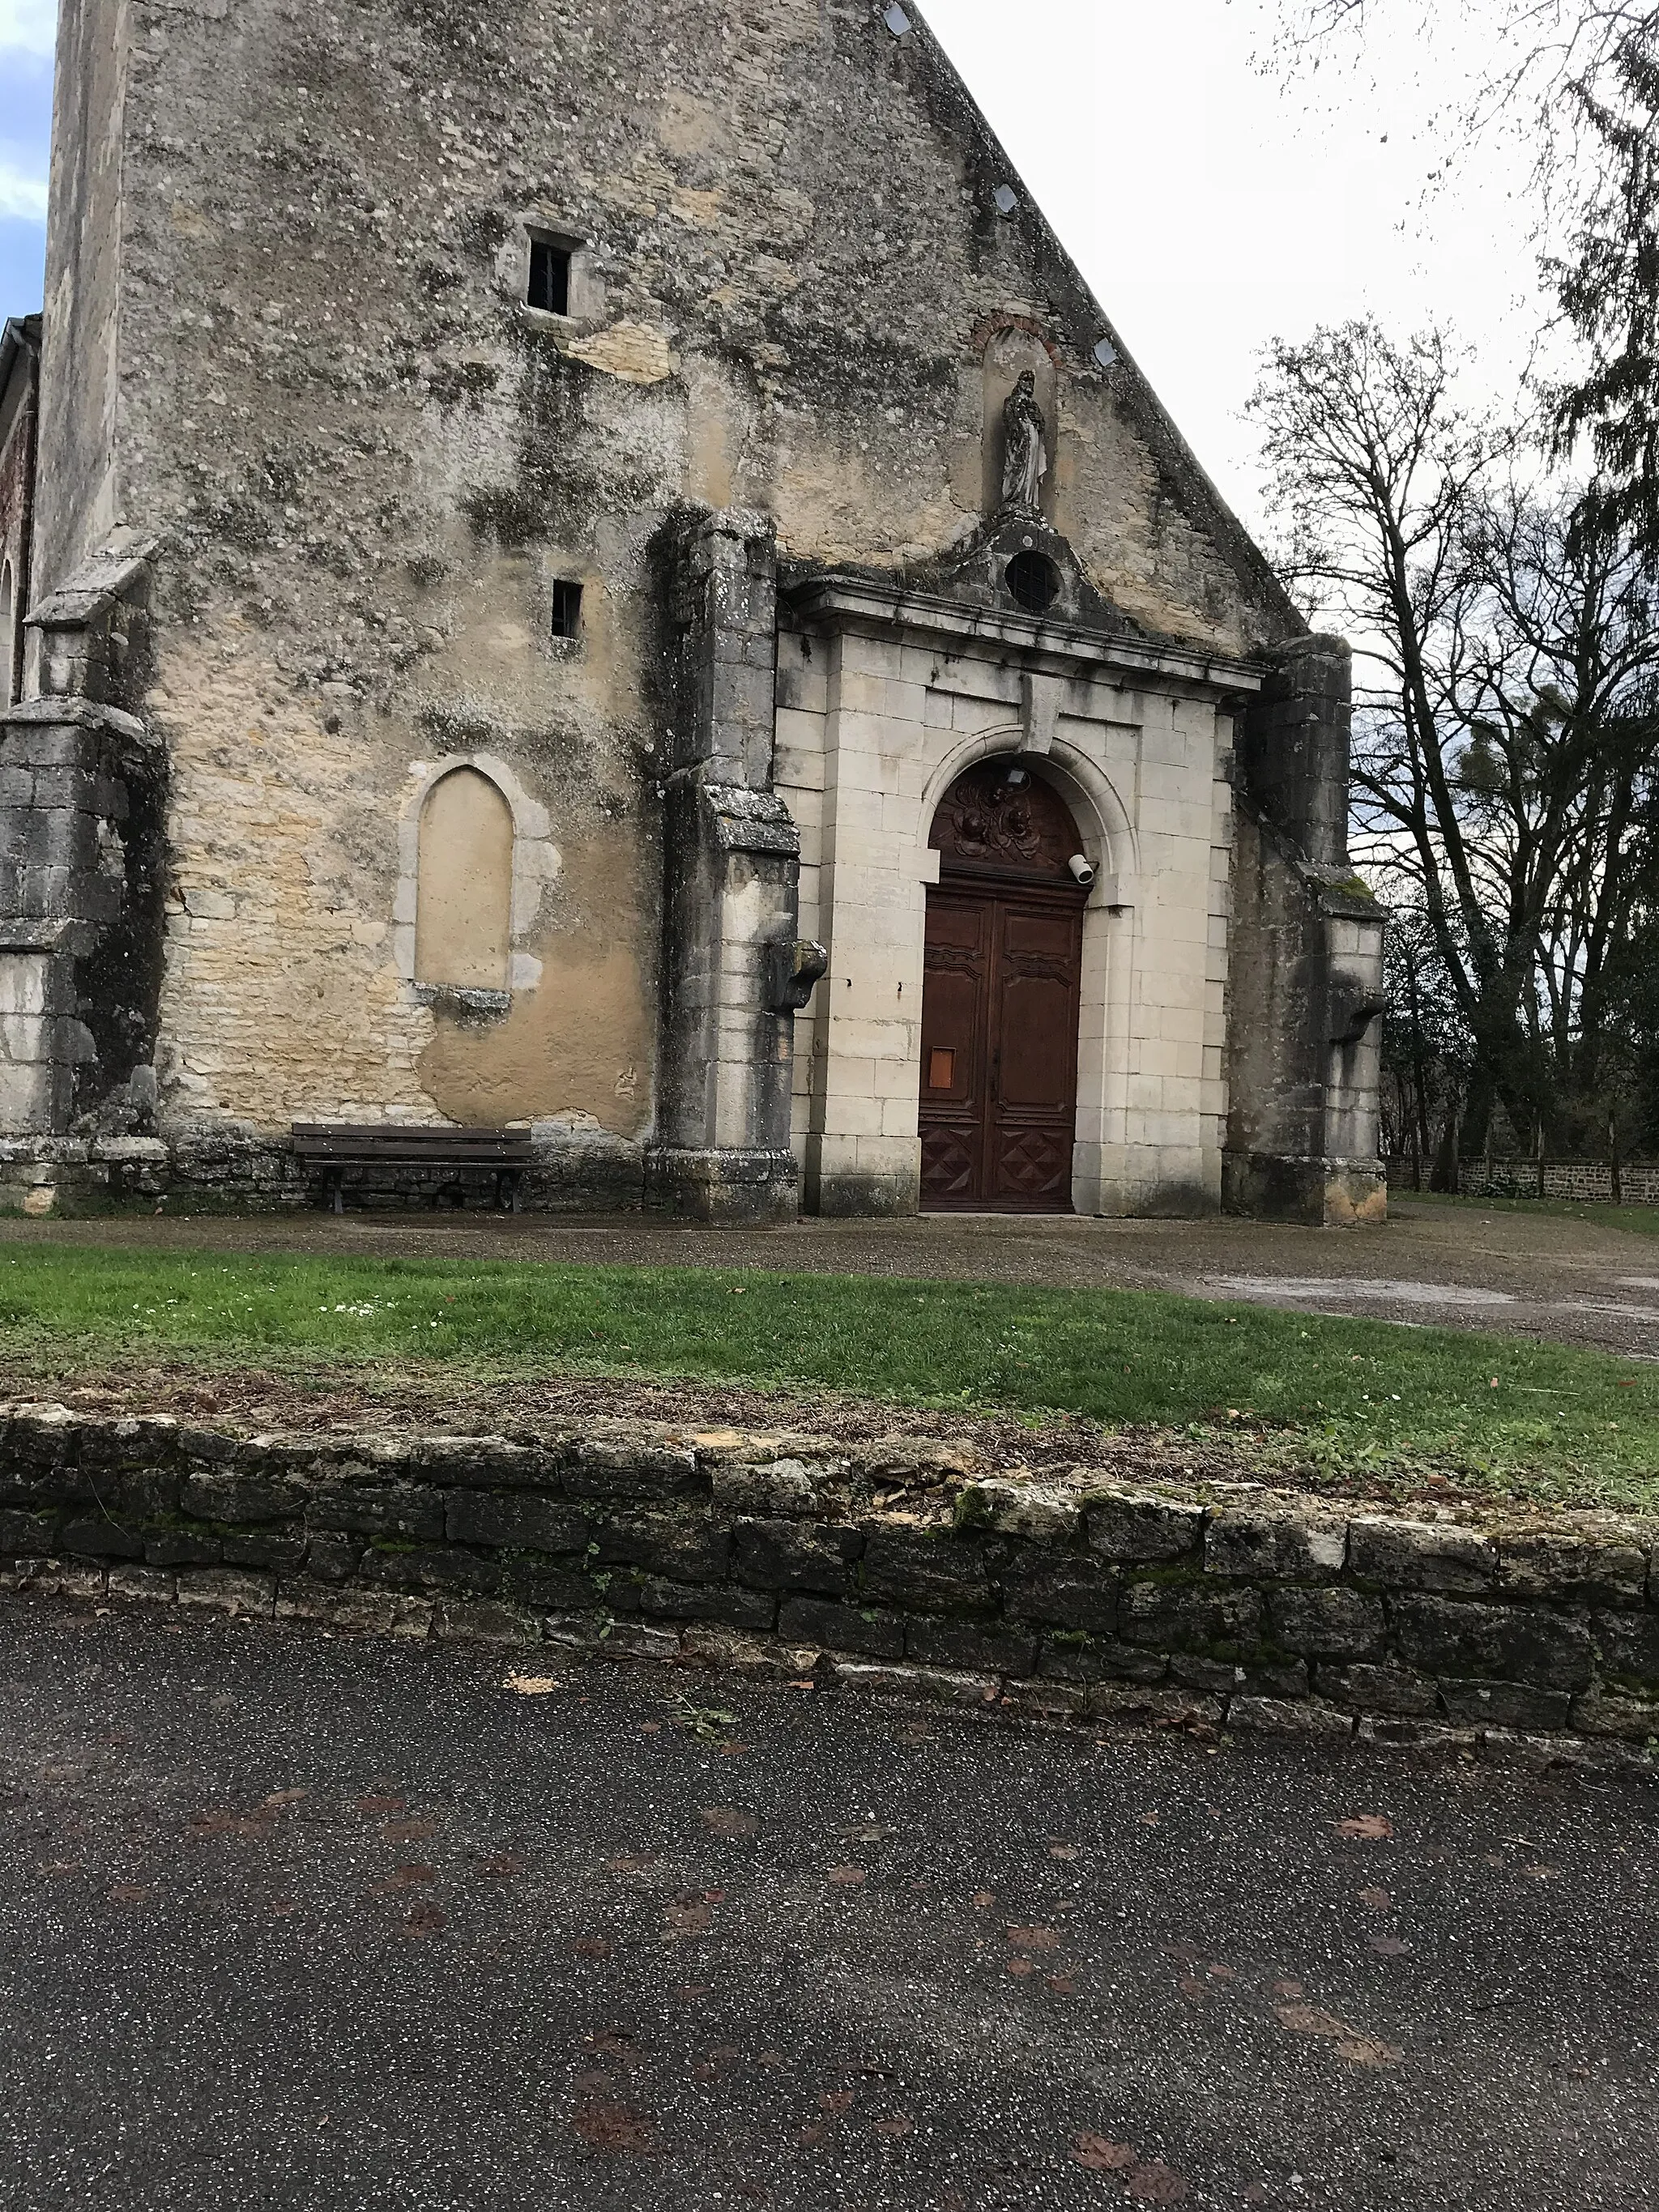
(888,1566)
(1582,1181)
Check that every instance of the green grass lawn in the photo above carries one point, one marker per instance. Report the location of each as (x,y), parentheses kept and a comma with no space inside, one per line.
(1640,1220)
(1546,1421)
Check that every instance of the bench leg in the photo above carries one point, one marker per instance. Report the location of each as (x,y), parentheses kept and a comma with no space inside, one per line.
(337,1189)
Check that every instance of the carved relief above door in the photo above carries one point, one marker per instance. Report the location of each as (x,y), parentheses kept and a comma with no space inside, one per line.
(1003,968)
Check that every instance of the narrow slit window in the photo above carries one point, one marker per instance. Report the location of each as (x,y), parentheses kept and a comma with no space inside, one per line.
(550,276)
(566,607)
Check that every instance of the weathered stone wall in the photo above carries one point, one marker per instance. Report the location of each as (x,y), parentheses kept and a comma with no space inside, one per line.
(19,397)
(794,290)
(1306,993)
(890,1566)
(81,498)
(1587,1182)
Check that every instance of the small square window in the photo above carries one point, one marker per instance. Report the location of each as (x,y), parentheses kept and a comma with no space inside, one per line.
(566,607)
(550,276)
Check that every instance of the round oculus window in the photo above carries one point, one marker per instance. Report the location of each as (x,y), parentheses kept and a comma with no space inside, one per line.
(1033,582)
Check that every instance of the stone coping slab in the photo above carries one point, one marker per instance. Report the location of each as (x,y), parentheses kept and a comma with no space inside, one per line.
(895,1566)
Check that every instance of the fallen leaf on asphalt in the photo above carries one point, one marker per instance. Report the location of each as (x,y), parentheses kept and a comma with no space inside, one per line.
(848,1877)
(633,1863)
(129,1892)
(1221,1973)
(1150,1820)
(728,1820)
(1192,1989)
(1367,1828)
(613,2128)
(837,2100)
(1390,1946)
(810,2137)
(1352,2044)
(532,1685)
(1062,1985)
(1033,1939)
(425,1920)
(1101,2156)
(872,1832)
(378,1808)
(689,1915)
(983,1899)
(1063,1850)
(1288,1989)
(216,1821)
(590,1946)
(1155,2183)
(279,1798)
(504,1865)
(407,1877)
(1020,1967)
(1378,1900)
(898,2124)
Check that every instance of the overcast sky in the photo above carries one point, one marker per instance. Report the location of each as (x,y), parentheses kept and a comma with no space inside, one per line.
(1211,205)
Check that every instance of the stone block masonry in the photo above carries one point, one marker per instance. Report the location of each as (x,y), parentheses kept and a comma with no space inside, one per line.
(888,1566)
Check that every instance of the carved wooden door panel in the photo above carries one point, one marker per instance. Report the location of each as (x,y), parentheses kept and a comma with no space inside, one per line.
(1033,1120)
(999,1050)
(955,1052)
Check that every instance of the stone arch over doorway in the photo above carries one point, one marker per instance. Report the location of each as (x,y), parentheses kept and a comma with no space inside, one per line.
(1107,830)
(1001,998)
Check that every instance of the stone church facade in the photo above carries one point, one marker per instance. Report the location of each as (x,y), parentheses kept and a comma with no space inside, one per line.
(598,571)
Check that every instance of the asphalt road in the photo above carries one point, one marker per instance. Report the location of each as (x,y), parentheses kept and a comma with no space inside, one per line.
(289,1922)
(1575,1279)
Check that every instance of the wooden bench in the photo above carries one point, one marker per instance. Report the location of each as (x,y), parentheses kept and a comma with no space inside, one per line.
(337,1145)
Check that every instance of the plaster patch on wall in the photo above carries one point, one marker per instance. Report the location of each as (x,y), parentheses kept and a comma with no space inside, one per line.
(638,353)
(536,861)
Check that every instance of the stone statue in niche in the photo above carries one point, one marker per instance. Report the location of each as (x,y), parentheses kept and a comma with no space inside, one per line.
(1024,447)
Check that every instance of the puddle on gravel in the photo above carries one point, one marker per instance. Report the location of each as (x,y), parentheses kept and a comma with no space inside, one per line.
(1364,1286)
(1369,1290)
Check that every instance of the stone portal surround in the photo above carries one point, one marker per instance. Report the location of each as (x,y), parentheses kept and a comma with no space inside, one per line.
(892,1566)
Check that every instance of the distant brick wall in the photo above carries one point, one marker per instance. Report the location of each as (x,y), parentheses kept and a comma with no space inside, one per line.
(1587,1182)
(885,1566)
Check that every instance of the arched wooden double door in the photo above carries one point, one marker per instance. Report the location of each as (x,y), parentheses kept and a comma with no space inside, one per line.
(1000,999)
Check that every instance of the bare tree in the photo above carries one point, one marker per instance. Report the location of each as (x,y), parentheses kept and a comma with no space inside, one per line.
(1581,79)
(1503,748)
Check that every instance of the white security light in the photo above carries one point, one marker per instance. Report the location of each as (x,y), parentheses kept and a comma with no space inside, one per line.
(897,21)
(1007,200)
(1106,354)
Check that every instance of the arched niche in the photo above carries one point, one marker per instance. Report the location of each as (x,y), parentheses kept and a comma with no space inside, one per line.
(1008,354)
(463,896)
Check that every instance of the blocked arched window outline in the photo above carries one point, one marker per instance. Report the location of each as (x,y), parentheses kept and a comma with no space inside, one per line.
(464,886)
